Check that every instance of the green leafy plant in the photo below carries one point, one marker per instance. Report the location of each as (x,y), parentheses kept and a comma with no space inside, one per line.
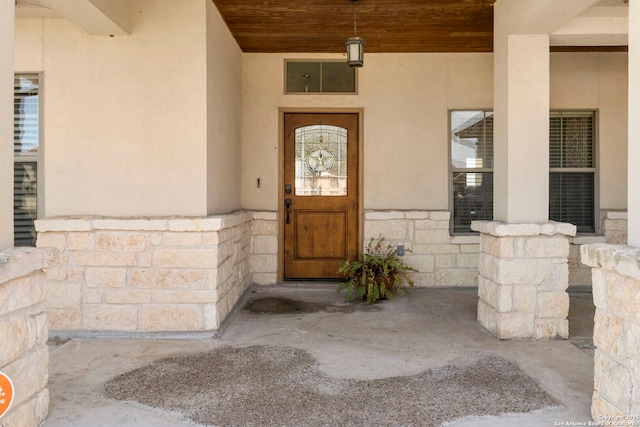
(376,273)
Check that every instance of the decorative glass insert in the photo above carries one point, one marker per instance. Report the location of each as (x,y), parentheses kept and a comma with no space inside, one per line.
(321,161)
(472,168)
(320,77)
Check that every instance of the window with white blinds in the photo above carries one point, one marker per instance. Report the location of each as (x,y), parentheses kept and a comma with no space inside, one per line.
(572,169)
(471,144)
(26,149)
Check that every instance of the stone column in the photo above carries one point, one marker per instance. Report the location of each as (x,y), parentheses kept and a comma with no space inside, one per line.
(7,23)
(523,279)
(521,122)
(523,258)
(616,334)
(24,356)
(616,281)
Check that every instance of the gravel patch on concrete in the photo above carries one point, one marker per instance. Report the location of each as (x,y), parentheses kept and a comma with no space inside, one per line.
(282,386)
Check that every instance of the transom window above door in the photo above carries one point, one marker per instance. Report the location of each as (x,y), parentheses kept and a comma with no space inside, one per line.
(320,77)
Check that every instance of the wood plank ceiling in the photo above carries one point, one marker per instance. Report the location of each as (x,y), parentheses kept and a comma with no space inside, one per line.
(387,25)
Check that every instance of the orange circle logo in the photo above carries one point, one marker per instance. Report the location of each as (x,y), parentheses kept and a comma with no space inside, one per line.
(6,394)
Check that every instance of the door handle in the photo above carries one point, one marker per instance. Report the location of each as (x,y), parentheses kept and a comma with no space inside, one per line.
(287,204)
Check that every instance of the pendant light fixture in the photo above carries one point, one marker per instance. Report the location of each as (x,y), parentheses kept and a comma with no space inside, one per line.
(355,45)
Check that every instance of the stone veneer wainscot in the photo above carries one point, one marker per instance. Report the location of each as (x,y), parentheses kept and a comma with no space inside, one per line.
(24,356)
(445,260)
(185,274)
(141,275)
(442,260)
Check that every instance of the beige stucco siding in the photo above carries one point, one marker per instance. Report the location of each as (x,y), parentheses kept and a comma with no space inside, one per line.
(406,99)
(402,159)
(175,120)
(124,117)
(6,125)
(224,116)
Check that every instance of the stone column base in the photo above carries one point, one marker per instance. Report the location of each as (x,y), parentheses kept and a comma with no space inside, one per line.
(524,275)
(616,333)
(24,356)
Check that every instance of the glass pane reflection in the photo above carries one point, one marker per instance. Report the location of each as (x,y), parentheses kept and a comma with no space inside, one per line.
(471,139)
(25,113)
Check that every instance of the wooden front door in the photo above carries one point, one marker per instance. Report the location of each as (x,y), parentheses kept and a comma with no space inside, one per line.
(320,193)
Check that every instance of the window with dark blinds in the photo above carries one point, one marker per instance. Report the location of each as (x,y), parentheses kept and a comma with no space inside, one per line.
(572,169)
(471,139)
(26,144)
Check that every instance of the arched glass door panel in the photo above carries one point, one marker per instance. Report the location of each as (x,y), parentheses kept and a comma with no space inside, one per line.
(321,161)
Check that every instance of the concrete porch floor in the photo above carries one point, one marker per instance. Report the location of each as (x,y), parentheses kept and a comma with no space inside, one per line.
(405,336)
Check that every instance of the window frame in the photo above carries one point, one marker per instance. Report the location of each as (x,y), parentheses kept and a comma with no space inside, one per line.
(453,170)
(38,158)
(319,61)
(596,161)
(595,170)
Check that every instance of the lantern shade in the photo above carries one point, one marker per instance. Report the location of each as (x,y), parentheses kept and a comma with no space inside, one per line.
(355,51)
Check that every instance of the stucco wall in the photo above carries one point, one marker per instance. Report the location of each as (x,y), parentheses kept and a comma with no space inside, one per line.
(140,136)
(125,118)
(6,125)
(406,98)
(224,116)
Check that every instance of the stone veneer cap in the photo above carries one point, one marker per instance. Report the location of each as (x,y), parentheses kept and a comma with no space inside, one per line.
(89,223)
(18,262)
(265,215)
(395,215)
(503,229)
(617,215)
(383,215)
(63,224)
(622,259)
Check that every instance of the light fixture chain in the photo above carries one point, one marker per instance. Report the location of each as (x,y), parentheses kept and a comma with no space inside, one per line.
(355,18)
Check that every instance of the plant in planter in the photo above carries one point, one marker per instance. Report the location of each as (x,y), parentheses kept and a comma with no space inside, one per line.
(378,271)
